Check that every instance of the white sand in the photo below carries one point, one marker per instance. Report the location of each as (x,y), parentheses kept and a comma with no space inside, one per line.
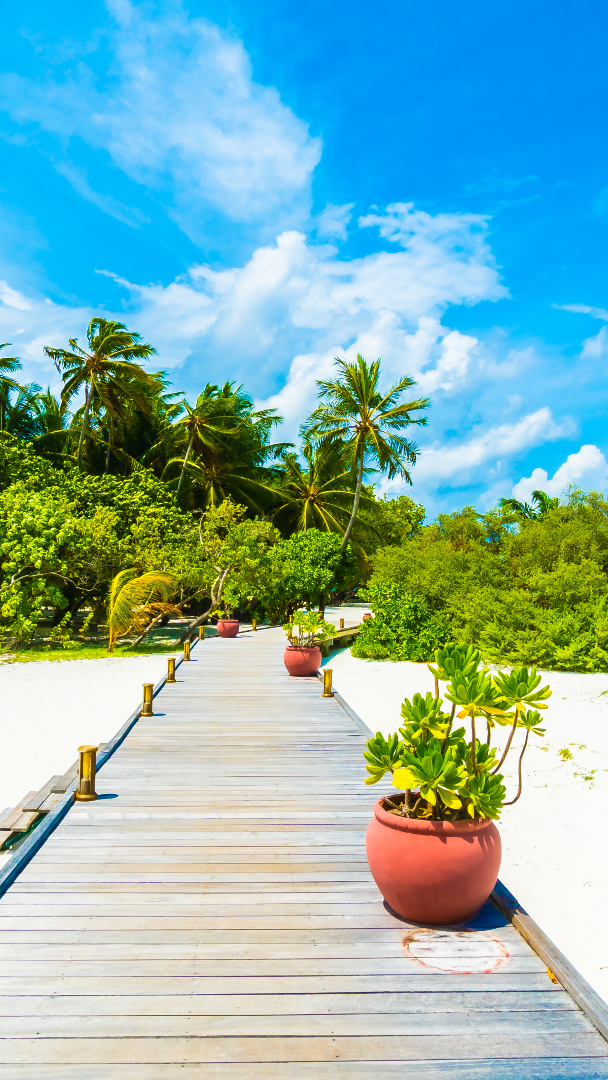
(51,707)
(554,838)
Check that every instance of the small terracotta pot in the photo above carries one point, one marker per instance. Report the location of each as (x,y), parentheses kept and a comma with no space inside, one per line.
(367,615)
(302,660)
(227,627)
(435,872)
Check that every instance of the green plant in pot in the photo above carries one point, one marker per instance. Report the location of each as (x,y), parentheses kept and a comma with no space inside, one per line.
(227,625)
(305,630)
(433,849)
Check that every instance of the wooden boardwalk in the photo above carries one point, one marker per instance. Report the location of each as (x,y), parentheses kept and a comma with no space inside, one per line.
(212,916)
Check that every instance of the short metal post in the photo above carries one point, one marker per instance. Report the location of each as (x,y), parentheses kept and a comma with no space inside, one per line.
(341,624)
(87,767)
(147,702)
(201,633)
(171,669)
(327,690)
(187,649)
(254,624)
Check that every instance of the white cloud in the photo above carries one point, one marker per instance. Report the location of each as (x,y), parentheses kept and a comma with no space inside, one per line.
(12,298)
(332,222)
(179,110)
(584,309)
(77,178)
(596,346)
(586,469)
(461,462)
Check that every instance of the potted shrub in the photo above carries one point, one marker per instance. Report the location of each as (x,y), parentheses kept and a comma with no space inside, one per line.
(433,849)
(226,625)
(304,658)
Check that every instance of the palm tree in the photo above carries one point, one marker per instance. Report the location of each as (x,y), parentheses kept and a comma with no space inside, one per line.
(318,496)
(138,602)
(368,422)
(7,385)
(222,442)
(529,512)
(21,417)
(107,371)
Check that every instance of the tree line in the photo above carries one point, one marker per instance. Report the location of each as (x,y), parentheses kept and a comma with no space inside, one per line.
(119,477)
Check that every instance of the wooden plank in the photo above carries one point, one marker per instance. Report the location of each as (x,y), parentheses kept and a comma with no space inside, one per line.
(436,1024)
(63,782)
(73,983)
(24,821)
(287,1049)
(481,1069)
(286,1004)
(34,802)
(8,819)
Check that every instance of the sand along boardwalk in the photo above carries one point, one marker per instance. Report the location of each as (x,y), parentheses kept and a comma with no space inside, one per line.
(212,915)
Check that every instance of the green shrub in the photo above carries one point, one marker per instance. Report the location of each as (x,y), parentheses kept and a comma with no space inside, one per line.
(403,627)
(523,592)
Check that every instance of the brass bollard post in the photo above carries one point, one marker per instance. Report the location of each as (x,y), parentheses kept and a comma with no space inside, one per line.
(254,624)
(201,633)
(187,649)
(327,690)
(341,624)
(147,702)
(87,767)
(171,669)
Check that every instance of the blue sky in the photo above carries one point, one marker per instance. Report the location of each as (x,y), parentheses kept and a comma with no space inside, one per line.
(260,187)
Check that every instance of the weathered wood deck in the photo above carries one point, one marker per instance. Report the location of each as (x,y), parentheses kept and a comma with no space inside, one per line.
(212,915)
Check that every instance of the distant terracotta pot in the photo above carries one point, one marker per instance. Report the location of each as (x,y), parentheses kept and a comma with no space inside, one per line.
(435,872)
(228,627)
(302,660)
(367,615)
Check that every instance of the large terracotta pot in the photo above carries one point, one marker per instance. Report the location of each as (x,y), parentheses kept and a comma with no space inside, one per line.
(435,872)
(302,660)
(227,627)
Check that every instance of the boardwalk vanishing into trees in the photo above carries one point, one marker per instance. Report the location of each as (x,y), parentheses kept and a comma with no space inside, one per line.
(212,915)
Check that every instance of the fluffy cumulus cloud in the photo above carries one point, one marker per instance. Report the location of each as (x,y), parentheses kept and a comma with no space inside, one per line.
(178,110)
(587,469)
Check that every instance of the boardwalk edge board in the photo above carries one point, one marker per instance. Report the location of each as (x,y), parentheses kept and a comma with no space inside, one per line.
(594,1007)
(17,862)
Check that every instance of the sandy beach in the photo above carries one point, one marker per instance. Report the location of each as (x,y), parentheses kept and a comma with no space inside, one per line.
(51,707)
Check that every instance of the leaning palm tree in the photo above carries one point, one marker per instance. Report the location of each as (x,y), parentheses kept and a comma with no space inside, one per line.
(318,495)
(370,423)
(138,602)
(106,369)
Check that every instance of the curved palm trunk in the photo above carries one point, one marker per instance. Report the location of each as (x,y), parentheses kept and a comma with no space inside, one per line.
(183,472)
(109,446)
(85,419)
(353,516)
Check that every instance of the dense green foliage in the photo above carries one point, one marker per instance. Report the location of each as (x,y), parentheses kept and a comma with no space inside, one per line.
(403,627)
(523,589)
